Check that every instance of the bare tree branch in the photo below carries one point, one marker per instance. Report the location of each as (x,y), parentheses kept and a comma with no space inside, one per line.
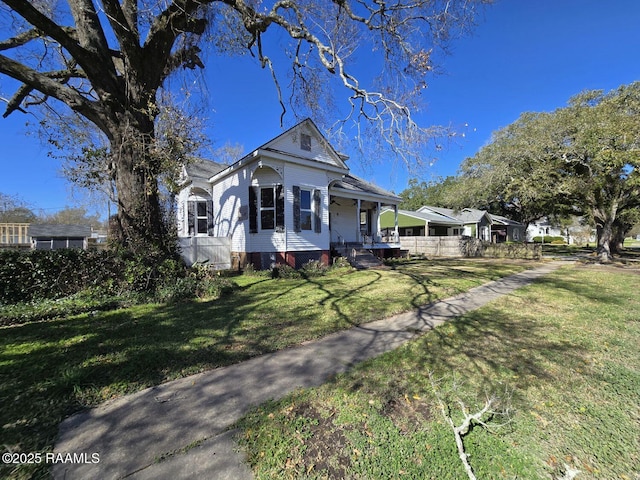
(47,85)
(481,417)
(20,39)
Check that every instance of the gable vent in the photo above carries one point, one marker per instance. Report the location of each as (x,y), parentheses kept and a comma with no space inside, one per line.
(305,142)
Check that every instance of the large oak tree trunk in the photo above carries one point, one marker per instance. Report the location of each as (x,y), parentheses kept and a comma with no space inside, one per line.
(605,218)
(606,238)
(140,222)
(620,231)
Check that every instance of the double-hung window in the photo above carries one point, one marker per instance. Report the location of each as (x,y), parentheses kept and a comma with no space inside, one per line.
(267,208)
(200,217)
(306,211)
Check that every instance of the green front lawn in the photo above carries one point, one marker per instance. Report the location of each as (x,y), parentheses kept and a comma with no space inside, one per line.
(51,369)
(560,358)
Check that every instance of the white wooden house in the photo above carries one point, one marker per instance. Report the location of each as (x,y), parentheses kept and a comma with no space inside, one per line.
(543,228)
(289,201)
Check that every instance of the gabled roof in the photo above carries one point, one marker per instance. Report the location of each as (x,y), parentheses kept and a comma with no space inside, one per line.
(504,220)
(466,215)
(49,230)
(431,217)
(203,169)
(269,149)
(352,184)
(339,158)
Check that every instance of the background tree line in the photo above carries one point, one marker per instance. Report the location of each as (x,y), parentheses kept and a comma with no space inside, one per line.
(15,210)
(579,160)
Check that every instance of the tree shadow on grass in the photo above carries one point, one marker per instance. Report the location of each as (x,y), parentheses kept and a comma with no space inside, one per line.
(493,346)
(60,366)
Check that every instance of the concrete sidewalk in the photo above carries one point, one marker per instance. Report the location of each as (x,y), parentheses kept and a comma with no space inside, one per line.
(185,422)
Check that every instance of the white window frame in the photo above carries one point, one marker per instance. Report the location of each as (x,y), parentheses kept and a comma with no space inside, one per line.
(306,212)
(262,209)
(201,218)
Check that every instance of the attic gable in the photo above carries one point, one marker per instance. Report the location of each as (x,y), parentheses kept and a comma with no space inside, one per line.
(305,141)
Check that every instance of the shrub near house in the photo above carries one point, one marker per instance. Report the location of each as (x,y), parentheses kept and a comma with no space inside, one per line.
(554,239)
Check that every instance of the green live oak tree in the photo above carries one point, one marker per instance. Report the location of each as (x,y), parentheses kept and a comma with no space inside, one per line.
(519,174)
(601,151)
(109,63)
(437,193)
(582,159)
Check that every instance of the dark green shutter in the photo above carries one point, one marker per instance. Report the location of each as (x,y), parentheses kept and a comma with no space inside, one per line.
(210,218)
(279,207)
(296,209)
(317,212)
(253,209)
(191,217)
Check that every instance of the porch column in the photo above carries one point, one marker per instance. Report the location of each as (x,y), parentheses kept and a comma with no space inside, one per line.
(377,222)
(358,234)
(395,228)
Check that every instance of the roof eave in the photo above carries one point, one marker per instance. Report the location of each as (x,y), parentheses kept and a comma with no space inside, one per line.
(367,196)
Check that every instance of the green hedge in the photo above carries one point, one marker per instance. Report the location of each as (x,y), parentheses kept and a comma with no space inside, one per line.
(43,274)
(557,240)
(27,276)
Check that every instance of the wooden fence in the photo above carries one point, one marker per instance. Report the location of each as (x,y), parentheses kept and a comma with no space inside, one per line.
(452,247)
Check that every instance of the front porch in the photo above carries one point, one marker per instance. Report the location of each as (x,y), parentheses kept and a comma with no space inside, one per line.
(355,208)
(357,221)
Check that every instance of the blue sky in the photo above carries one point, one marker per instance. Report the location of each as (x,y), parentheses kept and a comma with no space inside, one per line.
(524,55)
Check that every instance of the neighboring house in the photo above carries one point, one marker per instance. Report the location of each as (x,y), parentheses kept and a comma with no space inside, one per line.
(55,237)
(289,201)
(14,235)
(436,221)
(544,228)
(476,223)
(504,229)
(421,224)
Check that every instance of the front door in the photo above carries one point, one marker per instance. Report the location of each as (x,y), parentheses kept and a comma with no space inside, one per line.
(366,217)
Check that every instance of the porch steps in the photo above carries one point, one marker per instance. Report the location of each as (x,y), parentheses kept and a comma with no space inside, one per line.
(361,258)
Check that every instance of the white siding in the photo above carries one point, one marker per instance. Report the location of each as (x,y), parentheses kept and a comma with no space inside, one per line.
(231,209)
(230,219)
(290,143)
(266,240)
(308,179)
(181,213)
(344,221)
